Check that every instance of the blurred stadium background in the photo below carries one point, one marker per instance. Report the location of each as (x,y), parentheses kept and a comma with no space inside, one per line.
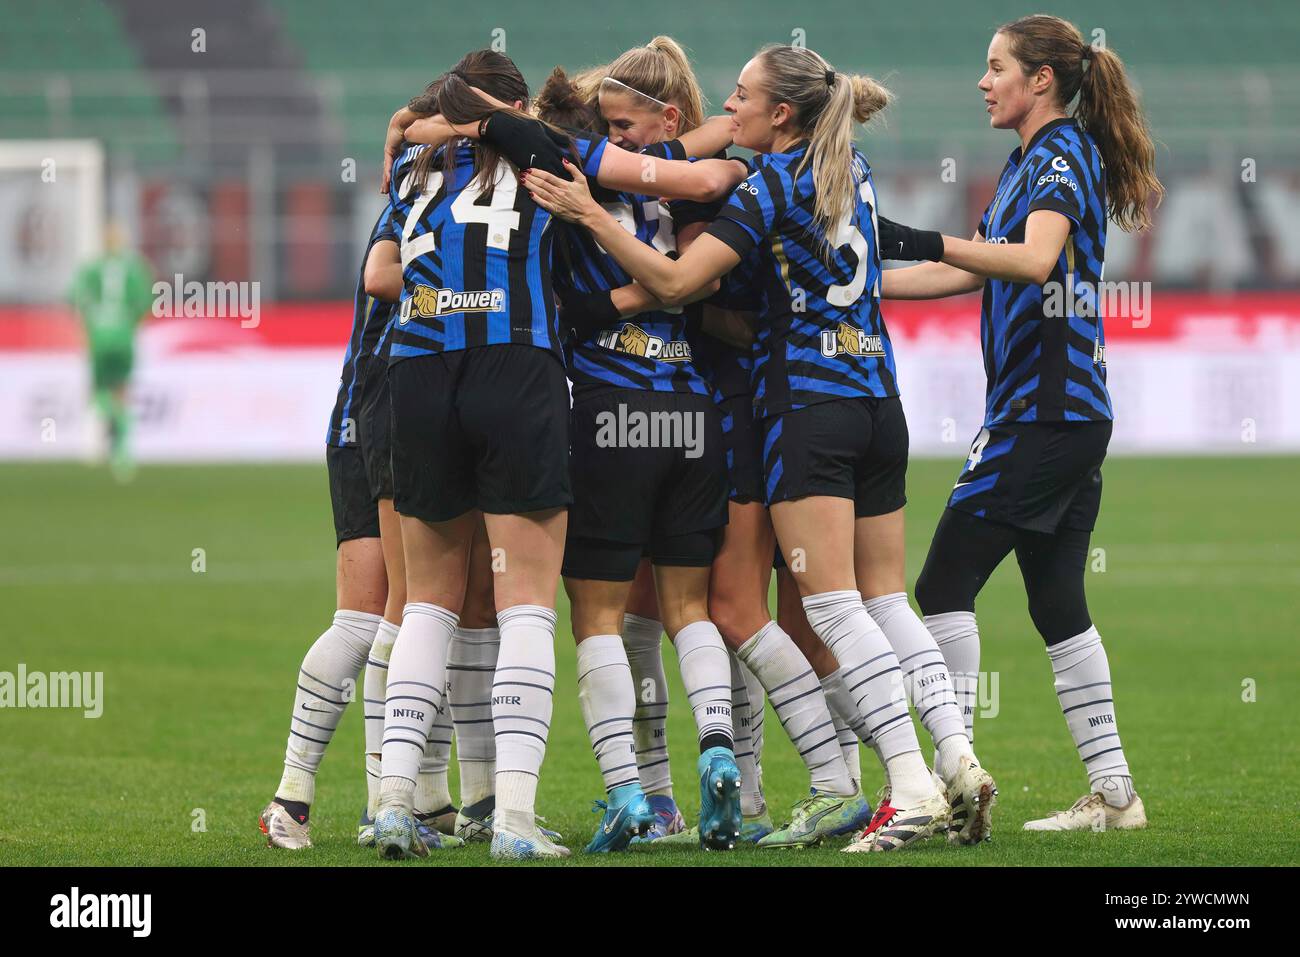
(240,143)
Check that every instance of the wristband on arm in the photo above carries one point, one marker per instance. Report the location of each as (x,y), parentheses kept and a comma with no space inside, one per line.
(906,243)
(588,312)
(526,142)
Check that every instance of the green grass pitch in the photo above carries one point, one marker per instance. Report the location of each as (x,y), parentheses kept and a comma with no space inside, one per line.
(1197,603)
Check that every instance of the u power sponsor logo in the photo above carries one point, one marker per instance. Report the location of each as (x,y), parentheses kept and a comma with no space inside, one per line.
(429,302)
(635,341)
(76,910)
(849,340)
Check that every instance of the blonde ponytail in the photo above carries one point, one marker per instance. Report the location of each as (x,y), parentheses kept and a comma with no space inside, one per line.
(869,97)
(661,72)
(826,104)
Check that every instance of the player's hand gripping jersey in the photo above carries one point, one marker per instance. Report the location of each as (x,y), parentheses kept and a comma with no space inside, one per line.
(1044,346)
(475,260)
(821,335)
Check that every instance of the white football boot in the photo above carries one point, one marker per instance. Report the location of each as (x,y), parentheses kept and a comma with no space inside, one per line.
(893,828)
(512,846)
(971,795)
(1092,813)
(282,830)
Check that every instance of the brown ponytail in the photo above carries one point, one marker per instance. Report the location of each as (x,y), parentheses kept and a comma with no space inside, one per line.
(450,95)
(1108,109)
(562,102)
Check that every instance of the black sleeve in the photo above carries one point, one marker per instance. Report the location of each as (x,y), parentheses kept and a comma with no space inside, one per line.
(668,149)
(527,143)
(908,244)
(587,312)
(688,211)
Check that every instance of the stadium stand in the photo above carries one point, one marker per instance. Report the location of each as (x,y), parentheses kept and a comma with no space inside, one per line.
(70,70)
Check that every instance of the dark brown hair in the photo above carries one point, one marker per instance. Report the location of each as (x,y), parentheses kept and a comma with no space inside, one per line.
(450,95)
(562,103)
(1108,109)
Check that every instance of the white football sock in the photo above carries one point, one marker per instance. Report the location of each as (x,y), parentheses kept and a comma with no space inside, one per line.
(848,723)
(432,792)
(471,665)
(706,675)
(871,672)
(751,797)
(800,705)
(522,698)
(374,688)
(925,677)
(643,639)
(958,638)
(327,681)
(417,682)
(607,700)
(1084,690)
(757,714)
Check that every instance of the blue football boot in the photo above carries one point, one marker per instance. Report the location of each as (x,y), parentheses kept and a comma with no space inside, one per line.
(668,819)
(720,817)
(627,815)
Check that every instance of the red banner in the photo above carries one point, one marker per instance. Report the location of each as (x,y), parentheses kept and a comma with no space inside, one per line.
(1239,320)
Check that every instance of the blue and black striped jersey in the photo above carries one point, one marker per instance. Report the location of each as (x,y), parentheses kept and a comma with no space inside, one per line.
(650,350)
(821,335)
(369,317)
(476,262)
(728,369)
(1044,346)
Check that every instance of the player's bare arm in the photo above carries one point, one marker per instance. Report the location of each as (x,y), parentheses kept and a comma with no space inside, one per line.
(704,181)
(930,280)
(710,137)
(1031,261)
(707,260)
(383,271)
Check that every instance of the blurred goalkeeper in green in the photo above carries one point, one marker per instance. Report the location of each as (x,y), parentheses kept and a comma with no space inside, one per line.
(112,294)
